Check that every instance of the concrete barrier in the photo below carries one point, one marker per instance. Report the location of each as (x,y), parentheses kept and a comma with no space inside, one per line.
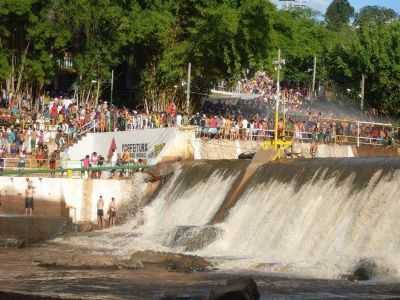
(66,197)
(33,229)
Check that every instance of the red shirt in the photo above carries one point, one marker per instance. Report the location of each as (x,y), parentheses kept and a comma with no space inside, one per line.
(213,123)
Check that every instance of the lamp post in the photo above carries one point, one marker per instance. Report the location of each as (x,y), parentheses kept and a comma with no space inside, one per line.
(278,63)
(314,76)
(188,88)
(112,87)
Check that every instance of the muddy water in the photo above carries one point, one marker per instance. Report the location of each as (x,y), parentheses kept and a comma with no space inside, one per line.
(20,272)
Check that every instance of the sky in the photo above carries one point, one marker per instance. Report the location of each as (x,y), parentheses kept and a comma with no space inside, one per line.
(321,5)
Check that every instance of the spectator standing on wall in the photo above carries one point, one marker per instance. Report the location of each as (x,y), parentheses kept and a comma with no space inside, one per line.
(179,120)
(100,211)
(2,162)
(171,111)
(21,160)
(126,157)
(86,165)
(100,163)
(93,163)
(52,164)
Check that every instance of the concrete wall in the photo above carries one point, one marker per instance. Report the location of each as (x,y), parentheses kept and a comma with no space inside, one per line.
(334,150)
(101,142)
(32,230)
(180,147)
(224,149)
(53,196)
(185,146)
(182,144)
(325,151)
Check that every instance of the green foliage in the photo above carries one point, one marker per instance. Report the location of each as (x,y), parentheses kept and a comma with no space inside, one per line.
(149,43)
(375,15)
(339,13)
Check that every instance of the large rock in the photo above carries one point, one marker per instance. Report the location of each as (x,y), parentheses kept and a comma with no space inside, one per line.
(236,289)
(369,269)
(11,243)
(192,238)
(170,261)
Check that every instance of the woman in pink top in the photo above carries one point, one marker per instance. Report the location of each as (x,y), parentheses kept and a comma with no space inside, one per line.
(85,164)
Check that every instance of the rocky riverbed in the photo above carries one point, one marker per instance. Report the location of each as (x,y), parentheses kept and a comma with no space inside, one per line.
(62,272)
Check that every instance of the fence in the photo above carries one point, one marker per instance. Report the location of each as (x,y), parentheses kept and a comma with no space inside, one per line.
(355,133)
(17,167)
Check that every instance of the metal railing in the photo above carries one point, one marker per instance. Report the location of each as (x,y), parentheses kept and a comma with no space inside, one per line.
(18,167)
(250,134)
(88,127)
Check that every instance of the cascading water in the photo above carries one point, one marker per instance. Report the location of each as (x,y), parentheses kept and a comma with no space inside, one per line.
(317,217)
(312,217)
(179,214)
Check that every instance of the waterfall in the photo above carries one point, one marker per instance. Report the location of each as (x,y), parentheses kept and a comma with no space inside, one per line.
(317,217)
(311,217)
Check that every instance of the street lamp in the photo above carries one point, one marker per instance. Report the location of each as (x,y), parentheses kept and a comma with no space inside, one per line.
(278,65)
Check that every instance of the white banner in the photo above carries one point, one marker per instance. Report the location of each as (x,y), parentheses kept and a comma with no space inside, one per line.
(142,143)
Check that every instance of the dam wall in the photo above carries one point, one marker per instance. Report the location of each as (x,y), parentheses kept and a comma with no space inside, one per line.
(311,217)
(68,197)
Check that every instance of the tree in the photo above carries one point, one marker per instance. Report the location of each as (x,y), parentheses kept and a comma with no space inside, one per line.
(375,15)
(339,13)
(149,43)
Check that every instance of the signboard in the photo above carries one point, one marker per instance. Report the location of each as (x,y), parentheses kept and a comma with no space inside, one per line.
(138,151)
(143,144)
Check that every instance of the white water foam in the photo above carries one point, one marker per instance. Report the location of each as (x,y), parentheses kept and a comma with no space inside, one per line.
(321,227)
(319,230)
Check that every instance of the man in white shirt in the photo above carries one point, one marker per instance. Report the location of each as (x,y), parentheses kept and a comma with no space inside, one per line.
(244,128)
(178,120)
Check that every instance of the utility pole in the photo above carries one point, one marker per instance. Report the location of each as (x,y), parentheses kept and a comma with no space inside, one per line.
(362,92)
(188,88)
(314,76)
(112,87)
(278,63)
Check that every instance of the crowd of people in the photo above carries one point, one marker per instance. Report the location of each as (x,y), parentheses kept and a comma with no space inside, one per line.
(43,132)
(61,123)
(312,127)
(43,135)
(262,86)
(92,164)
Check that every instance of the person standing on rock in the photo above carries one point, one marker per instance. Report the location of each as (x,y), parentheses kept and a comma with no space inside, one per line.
(100,211)
(29,198)
(112,212)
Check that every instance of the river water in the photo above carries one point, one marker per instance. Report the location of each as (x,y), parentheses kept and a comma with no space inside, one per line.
(317,218)
(19,274)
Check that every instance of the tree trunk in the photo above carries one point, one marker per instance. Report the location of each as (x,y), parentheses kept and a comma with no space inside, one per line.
(88,96)
(21,69)
(97,93)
